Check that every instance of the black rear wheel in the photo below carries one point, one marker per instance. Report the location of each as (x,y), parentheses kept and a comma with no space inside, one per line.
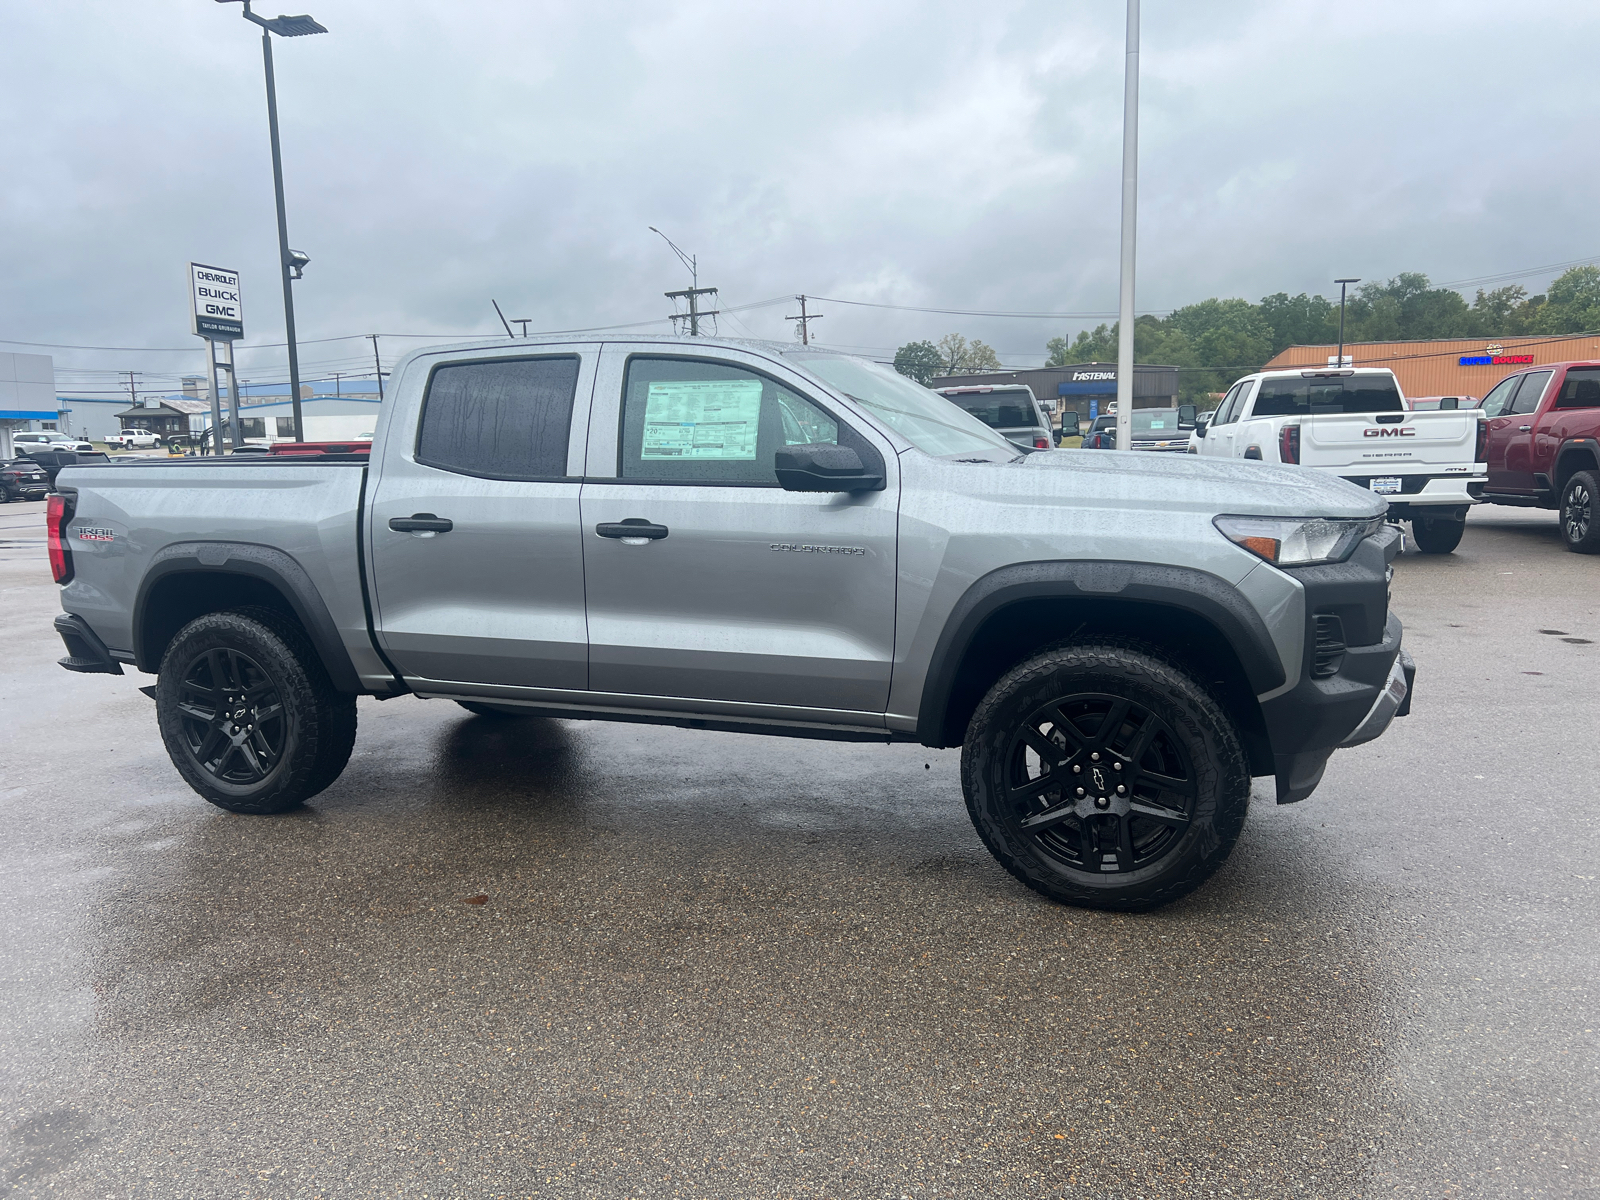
(1580,522)
(1437,535)
(1105,777)
(248,714)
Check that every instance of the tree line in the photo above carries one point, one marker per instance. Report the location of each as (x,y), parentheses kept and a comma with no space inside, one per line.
(1216,341)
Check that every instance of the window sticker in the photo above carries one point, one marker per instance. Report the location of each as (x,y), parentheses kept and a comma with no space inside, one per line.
(702,418)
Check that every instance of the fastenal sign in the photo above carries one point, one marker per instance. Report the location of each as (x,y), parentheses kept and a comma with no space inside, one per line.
(217,310)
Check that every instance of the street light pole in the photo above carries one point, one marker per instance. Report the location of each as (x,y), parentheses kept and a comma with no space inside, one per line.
(1130,217)
(291,262)
(1343,283)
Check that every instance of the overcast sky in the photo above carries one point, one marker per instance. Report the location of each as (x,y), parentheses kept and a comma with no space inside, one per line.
(924,153)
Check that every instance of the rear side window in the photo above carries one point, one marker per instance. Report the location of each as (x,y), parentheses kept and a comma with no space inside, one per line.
(1580,389)
(1328,394)
(691,421)
(502,419)
(1531,390)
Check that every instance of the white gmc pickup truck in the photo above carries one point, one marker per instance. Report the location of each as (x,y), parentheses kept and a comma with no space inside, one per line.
(1430,466)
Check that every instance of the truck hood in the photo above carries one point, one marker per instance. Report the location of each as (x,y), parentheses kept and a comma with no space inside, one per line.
(1152,481)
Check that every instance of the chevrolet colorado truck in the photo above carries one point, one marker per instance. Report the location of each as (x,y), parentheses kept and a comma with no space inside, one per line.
(1353,423)
(1544,446)
(763,538)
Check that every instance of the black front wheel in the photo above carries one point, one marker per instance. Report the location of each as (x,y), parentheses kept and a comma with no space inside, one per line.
(1104,776)
(1580,522)
(248,714)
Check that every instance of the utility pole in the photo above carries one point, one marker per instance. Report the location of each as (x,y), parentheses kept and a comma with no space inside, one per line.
(1130,217)
(133,395)
(694,314)
(377,363)
(1343,283)
(805,318)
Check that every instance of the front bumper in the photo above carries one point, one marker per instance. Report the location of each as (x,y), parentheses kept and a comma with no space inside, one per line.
(1354,678)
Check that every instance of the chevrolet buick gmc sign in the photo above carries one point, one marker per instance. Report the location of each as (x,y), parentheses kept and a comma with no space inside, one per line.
(217,310)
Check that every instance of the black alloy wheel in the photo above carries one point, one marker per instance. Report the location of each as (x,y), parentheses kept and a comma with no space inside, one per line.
(233,720)
(1579,529)
(1100,784)
(1105,776)
(248,714)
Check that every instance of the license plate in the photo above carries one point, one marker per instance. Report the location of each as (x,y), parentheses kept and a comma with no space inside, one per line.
(1386,485)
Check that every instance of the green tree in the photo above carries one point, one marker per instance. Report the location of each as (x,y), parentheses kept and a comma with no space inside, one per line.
(919,360)
(1299,320)
(959,356)
(1572,304)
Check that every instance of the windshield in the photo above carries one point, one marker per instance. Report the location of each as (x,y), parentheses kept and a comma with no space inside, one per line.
(999,410)
(1155,422)
(924,418)
(1328,394)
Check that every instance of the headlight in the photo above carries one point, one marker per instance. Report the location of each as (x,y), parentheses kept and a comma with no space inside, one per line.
(1298,541)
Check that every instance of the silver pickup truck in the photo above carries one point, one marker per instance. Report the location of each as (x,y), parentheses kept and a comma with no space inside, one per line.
(766,538)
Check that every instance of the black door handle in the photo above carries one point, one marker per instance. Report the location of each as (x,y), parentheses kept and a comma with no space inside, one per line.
(421,523)
(633,527)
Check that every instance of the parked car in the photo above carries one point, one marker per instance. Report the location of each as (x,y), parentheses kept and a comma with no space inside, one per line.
(766,538)
(50,439)
(22,479)
(1352,422)
(1159,429)
(52,460)
(1009,409)
(1543,446)
(134,439)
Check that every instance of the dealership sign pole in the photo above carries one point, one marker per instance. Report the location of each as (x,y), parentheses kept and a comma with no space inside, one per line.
(1130,212)
(217,315)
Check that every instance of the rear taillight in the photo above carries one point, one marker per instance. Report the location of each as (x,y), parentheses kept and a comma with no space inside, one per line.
(58,512)
(1482,452)
(1040,443)
(1289,444)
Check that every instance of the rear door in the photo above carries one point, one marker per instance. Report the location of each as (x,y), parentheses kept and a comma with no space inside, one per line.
(735,590)
(1516,475)
(477,566)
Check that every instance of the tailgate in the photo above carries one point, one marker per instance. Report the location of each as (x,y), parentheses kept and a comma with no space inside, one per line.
(1399,442)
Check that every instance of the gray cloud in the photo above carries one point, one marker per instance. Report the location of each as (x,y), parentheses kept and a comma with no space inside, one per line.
(922,153)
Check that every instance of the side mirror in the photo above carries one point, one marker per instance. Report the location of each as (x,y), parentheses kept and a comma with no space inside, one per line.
(1186,416)
(1070,424)
(1450,404)
(823,467)
(1201,425)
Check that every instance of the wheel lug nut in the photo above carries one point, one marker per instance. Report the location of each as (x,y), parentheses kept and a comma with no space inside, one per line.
(1116,766)
(1080,791)
(1121,791)
(1095,756)
(1102,802)
(1077,768)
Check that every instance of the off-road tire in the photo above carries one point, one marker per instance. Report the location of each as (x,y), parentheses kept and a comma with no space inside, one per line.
(479,709)
(1191,732)
(1437,535)
(309,737)
(1580,513)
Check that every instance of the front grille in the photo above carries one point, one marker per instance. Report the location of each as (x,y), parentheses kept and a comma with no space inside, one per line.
(1328,652)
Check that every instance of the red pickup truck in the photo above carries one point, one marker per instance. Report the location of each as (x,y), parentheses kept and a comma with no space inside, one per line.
(1544,446)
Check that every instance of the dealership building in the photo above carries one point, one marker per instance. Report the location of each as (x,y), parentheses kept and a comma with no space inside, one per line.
(1447,367)
(1089,388)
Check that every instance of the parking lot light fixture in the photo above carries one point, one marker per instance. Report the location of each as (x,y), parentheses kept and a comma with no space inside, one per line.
(291,262)
(1343,283)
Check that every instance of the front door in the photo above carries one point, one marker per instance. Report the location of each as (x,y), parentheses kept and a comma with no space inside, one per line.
(477,565)
(731,589)
(1496,407)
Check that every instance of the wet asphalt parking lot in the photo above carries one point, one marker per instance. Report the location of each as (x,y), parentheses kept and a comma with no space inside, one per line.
(547,958)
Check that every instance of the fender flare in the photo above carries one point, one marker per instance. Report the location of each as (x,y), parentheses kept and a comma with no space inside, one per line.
(1200,593)
(267,564)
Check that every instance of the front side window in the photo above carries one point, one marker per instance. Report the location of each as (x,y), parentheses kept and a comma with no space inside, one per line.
(691,421)
(1229,405)
(1500,396)
(505,418)
(1317,393)
(1532,388)
(923,417)
(1580,389)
